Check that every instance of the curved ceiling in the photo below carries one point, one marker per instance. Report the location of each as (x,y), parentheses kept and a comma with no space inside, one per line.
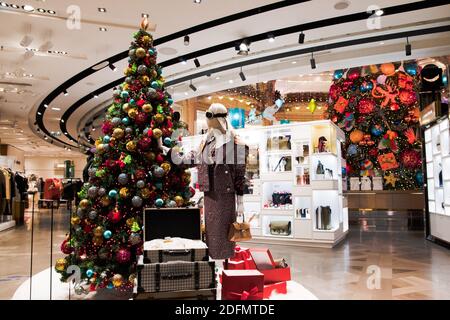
(339,38)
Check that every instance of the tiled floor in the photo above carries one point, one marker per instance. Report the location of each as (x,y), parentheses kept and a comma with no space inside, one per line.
(408,266)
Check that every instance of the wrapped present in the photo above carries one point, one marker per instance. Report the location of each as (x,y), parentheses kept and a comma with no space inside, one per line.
(355,184)
(242,285)
(276,275)
(377,183)
(272,288)
(262,258)
(240,254)
(246,264)
(366,184)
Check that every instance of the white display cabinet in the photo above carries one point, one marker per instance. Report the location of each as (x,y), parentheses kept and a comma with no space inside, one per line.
(437,155)
(289,157)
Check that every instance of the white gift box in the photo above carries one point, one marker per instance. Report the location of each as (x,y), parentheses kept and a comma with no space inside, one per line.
(377,183)
(354,184)
(366,184)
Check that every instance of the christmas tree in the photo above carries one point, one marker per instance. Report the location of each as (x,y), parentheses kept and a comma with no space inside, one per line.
(377,107)
(129,173)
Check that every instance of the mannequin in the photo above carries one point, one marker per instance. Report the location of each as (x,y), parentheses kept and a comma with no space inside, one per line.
(221,171)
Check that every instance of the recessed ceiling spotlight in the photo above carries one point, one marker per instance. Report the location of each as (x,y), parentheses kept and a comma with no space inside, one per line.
(62,120)
(65,93)
(197,1)
(95,96)
(144,15)
(4,4)
(183,61)
(271,37)
(45,106)
(39,113)
(56,109)
(217,78)
(197,63)
(231,81)
(15,6)
(243,48)
(28,8)
(381,43)
(186,40)
(112,67)
(40,10)
(379,12)
(341,5)
(186,94)
(101,9)
(51,11)
(294,62)
(301,38)
(103,29)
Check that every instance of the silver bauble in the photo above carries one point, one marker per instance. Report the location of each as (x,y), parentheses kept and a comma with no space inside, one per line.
(136,201)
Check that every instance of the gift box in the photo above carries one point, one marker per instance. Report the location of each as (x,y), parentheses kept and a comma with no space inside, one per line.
(262,258)
(240,254)
(276,275)
(246,264)
(242,285)
(279,287)
(366,184)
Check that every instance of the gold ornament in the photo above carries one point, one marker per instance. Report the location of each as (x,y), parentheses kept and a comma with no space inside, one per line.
(124,193)
(145,80)
(97,241)
(98,142)
(117,280)
(159,118)
(146,40)
(145,193)
(112,141)
(154,73)
(84,204)
(166,167)
(130,222)
(132,113)
(390,179)
(105,201)
(125,107)
(128,71)
(75,220)
(100,148)
(140,52)
(60,264)
(98,231)
(132,277)
(125,87)
(157,133)
(118,133)
(179,200)
(147,108)
(131,146)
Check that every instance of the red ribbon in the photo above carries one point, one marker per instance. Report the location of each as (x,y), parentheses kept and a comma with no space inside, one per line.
(244,255)
(245,295)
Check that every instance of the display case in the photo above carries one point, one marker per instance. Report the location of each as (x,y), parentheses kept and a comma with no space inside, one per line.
(296,193)
(437,174)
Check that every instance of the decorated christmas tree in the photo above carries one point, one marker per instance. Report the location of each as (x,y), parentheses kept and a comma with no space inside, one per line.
(377,107)
(129,173)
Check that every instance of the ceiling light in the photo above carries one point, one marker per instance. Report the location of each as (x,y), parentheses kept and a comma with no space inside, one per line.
(186,94)
(144,15)
(193,88)
(103,29)
(209,98)
(242,75)
(45,138)
(65,93)
(197,63)
(294,62)
(62,120)
(3,4)
(51,11)
(379,12)
(243,48)
(15,6)
(93,128)
(407,47)
(112,67)
(66,133)
(230,81)
(186,40)
(56,109)
(40,10)
(26,41)
(220,97)
(341,5)
(28,8)
(39,113)
(217,78)
(301,38)
(271,37)
(183,61)
(95,96)
(197,1)
(101,9)
(312,61)
(45,106)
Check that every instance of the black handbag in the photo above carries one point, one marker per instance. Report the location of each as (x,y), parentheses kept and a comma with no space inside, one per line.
(323,218)
(281,198)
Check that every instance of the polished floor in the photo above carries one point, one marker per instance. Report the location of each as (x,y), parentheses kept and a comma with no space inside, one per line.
(372,263)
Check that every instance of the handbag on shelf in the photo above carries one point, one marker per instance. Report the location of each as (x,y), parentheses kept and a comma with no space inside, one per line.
(240,231)
(280,228)
(281,198)
(279,143)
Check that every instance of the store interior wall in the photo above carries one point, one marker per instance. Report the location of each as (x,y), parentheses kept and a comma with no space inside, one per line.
(51,167)
(14,157)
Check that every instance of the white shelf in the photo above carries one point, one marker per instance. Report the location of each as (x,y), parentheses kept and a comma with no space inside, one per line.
(277,176)
(324,184)
(280,212)
(301,219)
(252,197)
(324,154)
(326,231)
(278,152)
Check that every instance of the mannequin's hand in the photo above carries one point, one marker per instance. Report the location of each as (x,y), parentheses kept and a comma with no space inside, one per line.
(240,206)
(161,146)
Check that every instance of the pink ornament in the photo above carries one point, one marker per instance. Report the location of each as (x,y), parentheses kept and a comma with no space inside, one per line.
(354,74)
(381,79)
(123,256)
(411,159)
(107,127)
(366,106)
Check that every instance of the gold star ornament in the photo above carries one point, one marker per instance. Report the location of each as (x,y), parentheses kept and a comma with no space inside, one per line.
(390,179)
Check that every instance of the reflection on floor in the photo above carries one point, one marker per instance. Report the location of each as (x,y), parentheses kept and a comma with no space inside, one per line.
(409,266)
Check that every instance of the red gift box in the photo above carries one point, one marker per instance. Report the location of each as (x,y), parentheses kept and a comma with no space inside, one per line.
(246,264)
(262,258)
(279,287)
(276,275)
(242,285)
(240,254)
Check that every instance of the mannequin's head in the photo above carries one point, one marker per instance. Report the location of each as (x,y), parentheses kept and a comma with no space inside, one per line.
(216,117)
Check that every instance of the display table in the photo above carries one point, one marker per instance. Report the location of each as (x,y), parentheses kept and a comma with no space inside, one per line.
(395,200)
(60,290)
(296,192)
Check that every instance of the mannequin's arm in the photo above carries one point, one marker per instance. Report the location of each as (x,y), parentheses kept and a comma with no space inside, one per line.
(240,204)
(188,160)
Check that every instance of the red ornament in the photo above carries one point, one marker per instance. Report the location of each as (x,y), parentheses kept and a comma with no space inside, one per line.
(140,102)
(394,107)
(373,152)
(334,119)
(144,144)
(139,251)
(92,287)
(341,104)
(160,95)
(366,106)
(150,133)
(407,97)
(411,159)
(159,158)
(87,228)
(354,74)
(107,127)
(114,216)
(140,174)
(347,84)
(123,256)
(141,118)
(169,124)
(66,248)
(335,92)
(192,191)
